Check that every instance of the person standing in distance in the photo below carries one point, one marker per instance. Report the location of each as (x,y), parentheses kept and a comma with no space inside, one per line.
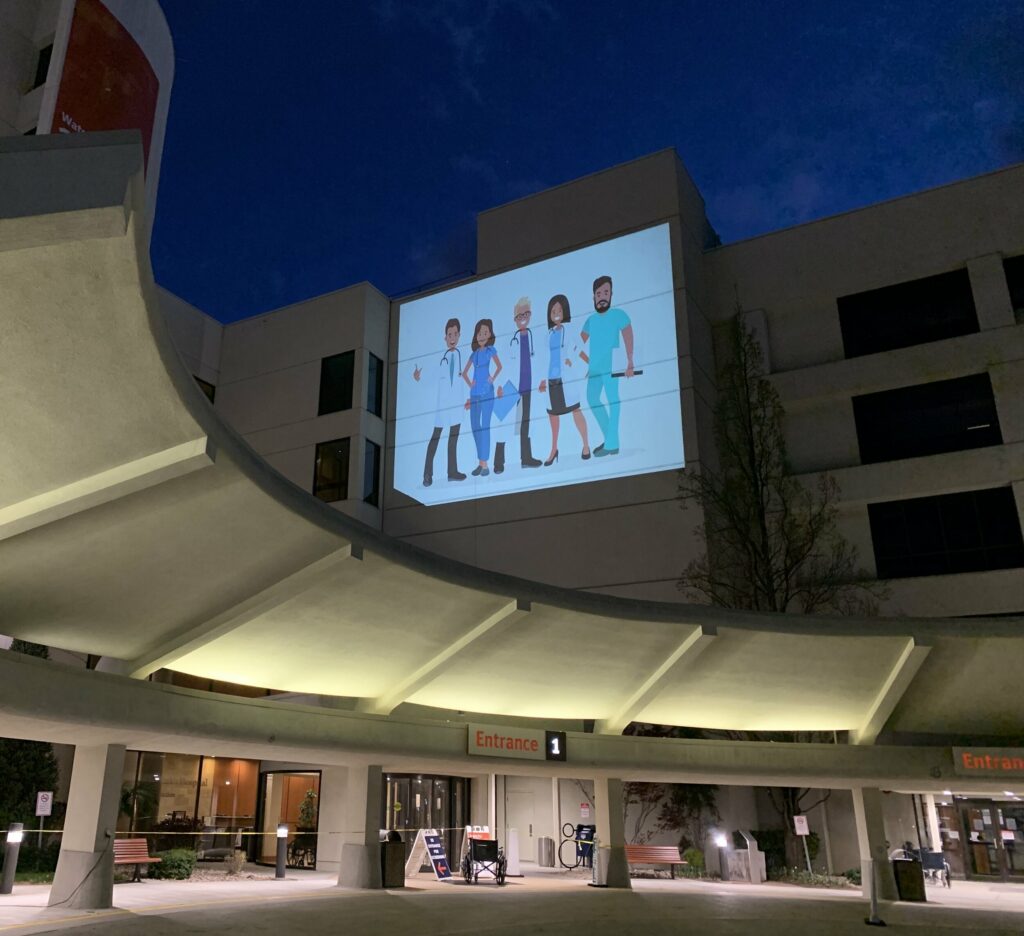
(448,404)
(602,331)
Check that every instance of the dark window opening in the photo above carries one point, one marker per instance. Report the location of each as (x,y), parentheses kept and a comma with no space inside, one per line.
(906,314)
(371,474)
(1014,270)
(969,532)
(43,66)
(330,474)
(336,374)
(208,388)
(375,386)
(945,416)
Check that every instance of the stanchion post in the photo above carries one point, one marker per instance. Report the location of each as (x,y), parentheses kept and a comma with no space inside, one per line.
(15,833)
(282,851)
(868,867)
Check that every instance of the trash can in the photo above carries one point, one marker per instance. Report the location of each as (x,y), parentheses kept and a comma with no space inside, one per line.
(546,852)
(909,876)
(392,864)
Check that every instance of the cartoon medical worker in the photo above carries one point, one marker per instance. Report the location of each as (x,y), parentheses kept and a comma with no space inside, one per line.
(449,402)
(562,381)
(602,330)
(520,358)
(481,390)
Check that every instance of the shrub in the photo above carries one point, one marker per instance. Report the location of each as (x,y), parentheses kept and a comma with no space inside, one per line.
(694,857)
(808,878)
(236,861)
(176,864)
(35,859)
(853,876)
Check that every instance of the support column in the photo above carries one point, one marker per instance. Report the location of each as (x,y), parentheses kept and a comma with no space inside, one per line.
(331,818)
(610,831)
(867,810)
(84,879)
(556,814)
(360,839)
(932,819)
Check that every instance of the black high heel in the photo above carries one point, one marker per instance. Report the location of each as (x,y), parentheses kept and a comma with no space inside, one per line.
(551,460)
(584,455)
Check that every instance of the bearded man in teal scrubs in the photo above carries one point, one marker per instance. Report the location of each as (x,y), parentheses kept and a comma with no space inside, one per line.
(601,331)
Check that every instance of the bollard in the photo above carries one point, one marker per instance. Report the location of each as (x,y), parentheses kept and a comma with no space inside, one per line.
(15,833)
(282,851)
(869,867)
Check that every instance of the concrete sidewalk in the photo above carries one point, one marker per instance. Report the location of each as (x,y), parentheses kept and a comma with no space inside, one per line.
(311,903)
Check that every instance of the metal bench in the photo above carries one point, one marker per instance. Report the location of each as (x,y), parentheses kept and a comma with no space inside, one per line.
(655,854)
(133,851)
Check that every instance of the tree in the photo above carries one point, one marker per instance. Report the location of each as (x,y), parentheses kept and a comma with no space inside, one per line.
(643,799)
(689,809)
(770,542)
(26,767)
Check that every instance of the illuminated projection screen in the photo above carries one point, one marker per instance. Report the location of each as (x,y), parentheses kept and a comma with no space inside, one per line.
(463,392)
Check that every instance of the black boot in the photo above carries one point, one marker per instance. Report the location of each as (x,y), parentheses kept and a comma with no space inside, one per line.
(428,464)
(453,455)
(499,457)
(527,452)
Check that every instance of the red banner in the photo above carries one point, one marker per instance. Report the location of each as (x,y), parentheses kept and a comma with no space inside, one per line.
(107,82)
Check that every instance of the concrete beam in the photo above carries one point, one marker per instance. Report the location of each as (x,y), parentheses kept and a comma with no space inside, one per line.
(266,600)
(107,486)
(688,651)
(502,619)
(891,691)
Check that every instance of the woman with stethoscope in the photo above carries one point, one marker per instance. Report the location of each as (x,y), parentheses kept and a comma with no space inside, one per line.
(562,384)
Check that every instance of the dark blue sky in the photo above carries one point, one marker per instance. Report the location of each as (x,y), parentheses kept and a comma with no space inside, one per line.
(318,143)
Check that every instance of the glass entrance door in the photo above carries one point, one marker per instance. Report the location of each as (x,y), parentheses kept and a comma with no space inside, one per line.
(995,839)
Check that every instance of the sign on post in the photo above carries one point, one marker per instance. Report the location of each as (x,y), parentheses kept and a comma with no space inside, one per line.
(44,803)
(429,846)
(584,810)
(801,828)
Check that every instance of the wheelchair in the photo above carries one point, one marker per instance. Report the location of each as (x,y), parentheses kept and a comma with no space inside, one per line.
(484,855)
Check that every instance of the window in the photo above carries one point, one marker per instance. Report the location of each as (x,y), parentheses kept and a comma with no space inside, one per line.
(375,386)
(945,416)
(336,382)
(330,474)
(1014,270)
(208,388)
(43,66)
(371,474)
(906,314)
(967,532)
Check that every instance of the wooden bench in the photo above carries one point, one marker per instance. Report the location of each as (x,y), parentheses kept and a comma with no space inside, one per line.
(133,851)
(655,854)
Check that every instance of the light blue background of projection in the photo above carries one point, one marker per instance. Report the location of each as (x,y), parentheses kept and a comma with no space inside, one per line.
(650,424)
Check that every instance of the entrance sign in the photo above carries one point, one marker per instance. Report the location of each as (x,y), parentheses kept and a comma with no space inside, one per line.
(519,743)
(800,825)
(429,846)
(44,803)
(988,762)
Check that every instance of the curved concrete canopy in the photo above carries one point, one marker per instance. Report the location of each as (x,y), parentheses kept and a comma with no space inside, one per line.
(135,524)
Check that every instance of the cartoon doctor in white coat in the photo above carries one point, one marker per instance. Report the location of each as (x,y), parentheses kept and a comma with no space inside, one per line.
(449,404)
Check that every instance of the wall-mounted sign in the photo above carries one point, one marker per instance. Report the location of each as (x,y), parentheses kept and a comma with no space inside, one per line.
(988,762)
(520,743)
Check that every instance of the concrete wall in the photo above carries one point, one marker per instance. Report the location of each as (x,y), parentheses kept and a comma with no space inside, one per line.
(26,26)
(270,383)
(197,337)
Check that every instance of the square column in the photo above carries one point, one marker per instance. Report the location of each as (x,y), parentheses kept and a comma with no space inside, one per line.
(84,879)
(360,835)
(611,832)
(867,811)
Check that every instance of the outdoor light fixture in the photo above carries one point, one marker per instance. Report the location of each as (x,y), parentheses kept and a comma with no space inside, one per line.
(282,851)
(15,833)
(15,836)
(947,792)
(282,831)
(720,840)
(1007,792)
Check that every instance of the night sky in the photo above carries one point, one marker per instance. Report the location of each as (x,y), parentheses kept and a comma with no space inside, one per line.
(318,143)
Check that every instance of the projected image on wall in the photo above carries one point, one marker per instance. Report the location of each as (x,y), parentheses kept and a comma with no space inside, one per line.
(561,372)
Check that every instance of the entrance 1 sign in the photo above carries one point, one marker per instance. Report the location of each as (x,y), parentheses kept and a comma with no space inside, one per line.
(520,743)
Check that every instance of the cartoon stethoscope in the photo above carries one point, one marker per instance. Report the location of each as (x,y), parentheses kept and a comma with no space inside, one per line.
(458,367)
(515,339)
